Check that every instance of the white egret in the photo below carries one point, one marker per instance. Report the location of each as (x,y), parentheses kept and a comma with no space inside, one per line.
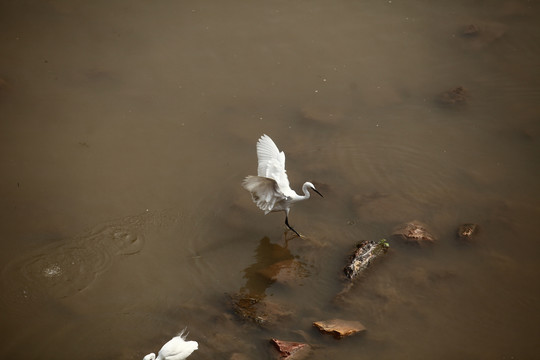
(270,190)
(175,349)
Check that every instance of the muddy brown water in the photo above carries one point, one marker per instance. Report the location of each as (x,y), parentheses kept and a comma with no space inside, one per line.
(126,128)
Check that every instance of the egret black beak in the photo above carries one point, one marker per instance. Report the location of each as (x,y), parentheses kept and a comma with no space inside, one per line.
(317,192)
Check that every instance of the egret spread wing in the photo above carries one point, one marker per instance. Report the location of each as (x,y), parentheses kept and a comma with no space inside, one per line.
(272,163)
(264,191)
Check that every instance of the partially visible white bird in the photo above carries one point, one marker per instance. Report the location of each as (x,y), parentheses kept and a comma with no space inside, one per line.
(175,349)
(270,190)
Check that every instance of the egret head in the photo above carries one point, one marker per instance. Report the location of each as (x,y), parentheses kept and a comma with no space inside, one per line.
(150,356)
(312,187)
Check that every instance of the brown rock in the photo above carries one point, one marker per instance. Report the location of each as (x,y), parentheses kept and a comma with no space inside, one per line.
(340,328)
(467,231)
(291,350)
(414,232)
(258,309)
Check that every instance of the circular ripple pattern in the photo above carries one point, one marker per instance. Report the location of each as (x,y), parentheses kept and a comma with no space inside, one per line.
(65,267)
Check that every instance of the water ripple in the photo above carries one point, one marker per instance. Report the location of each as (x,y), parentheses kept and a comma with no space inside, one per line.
(68,266)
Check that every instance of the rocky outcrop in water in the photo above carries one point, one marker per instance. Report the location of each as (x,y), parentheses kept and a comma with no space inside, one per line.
(290,350)
(414,232)
(339,328)
(365,253)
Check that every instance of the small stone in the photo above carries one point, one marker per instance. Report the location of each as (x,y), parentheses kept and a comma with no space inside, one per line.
(340,328)
(414,232)
(470,30)
(291,350)
(467,231)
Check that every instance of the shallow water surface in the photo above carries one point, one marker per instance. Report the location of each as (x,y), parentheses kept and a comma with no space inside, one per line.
(127,127)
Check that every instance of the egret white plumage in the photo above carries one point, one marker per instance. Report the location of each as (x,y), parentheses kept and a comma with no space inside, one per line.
(270,189)
(175,349)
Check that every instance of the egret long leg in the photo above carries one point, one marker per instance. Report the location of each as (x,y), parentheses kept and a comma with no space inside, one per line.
(289,226)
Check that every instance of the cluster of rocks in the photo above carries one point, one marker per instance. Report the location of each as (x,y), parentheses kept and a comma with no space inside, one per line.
(260,310)
(416,232)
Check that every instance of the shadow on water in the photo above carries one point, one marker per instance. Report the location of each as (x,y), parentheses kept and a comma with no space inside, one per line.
(261,275)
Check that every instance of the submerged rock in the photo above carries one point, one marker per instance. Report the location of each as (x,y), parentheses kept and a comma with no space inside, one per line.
(480,33)
(339,328)
(239,356)
(414,232)
(470,30)
(259,310)
(291,350)
(287,272)
(467,231)
(321,115)
(455,96)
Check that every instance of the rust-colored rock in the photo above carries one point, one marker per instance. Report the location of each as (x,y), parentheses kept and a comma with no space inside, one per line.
(291,350)
(414,232)
(340,328)
(467,231)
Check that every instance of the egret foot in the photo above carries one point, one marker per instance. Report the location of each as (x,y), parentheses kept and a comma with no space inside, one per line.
(290,227)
